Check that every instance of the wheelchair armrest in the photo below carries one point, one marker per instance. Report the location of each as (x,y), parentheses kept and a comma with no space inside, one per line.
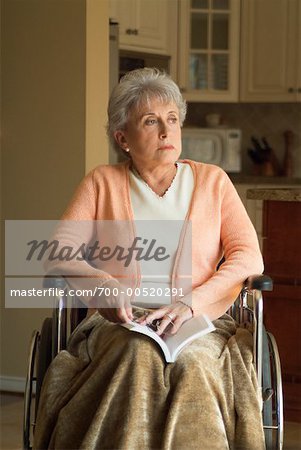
(54,281)
(59,313)
(62,301)
(259,283)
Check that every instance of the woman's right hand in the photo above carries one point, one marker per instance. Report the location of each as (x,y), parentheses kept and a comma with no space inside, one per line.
(115,307)
(117,315)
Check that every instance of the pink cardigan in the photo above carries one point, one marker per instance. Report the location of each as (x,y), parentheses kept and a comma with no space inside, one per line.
(220,226)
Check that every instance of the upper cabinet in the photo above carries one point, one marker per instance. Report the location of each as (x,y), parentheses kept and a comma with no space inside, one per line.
(208,61)
(220,50)
(146,25)
(271,51)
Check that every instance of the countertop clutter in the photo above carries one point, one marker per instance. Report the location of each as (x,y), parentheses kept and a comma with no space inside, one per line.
(265,159)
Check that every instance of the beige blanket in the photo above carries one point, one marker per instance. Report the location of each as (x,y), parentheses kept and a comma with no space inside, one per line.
(113,390)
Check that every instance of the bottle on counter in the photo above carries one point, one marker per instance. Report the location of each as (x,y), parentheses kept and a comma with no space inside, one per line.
(287,168)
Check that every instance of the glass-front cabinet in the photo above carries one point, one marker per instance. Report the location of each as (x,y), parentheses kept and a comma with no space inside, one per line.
(209,49)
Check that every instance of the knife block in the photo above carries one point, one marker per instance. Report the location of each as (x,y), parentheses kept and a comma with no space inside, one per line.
(265,169)
(268,169)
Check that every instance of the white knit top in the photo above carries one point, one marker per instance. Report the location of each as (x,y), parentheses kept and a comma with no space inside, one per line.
(159,218)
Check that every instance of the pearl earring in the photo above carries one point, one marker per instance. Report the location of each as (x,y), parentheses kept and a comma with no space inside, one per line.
(127,150)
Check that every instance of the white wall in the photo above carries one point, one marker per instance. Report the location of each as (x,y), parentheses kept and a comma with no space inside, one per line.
(53,116)
(97,82)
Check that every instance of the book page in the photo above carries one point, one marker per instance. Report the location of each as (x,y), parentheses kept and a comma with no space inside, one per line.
(190,330)
(172,344)
(143,329)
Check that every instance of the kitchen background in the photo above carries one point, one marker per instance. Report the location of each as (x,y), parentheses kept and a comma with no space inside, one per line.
(269,120)
(238,59)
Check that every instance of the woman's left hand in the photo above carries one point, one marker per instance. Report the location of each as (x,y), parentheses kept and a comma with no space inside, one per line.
(171,317)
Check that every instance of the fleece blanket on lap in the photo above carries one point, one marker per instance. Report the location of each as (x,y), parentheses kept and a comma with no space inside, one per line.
(112,389)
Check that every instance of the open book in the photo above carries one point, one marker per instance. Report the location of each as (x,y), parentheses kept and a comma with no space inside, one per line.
(171,345)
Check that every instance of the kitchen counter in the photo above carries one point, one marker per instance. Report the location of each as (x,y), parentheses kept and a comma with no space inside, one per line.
(238,178)
(275,194)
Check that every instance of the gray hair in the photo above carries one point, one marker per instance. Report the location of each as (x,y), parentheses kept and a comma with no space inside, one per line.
(138,87)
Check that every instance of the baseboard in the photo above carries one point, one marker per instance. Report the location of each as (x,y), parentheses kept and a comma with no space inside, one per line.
(12,384)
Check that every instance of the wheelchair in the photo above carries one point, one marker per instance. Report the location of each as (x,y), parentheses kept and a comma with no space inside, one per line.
(247,311)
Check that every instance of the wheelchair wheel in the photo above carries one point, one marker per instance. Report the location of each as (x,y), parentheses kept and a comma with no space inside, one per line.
(272,394)
(267,392)
(28,416)
(278,392)
(40,356)
(44,357)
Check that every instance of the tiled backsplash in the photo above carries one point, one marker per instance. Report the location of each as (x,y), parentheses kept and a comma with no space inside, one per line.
(268,120)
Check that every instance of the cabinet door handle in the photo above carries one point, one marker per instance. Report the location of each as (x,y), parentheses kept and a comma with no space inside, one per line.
(132,31)
(299,90)
(291,90)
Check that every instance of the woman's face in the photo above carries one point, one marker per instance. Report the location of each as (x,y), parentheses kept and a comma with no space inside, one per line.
(153,134)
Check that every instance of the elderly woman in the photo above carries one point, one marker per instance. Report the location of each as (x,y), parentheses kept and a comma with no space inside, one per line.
(112,389)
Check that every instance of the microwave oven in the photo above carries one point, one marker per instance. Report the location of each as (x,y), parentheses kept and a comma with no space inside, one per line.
(219,146)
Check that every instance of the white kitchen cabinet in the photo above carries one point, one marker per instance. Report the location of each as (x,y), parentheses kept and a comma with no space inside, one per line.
(146,25)
(208,62)
(270,51)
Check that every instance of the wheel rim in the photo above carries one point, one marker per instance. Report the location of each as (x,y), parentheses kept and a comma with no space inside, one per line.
(29,389)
